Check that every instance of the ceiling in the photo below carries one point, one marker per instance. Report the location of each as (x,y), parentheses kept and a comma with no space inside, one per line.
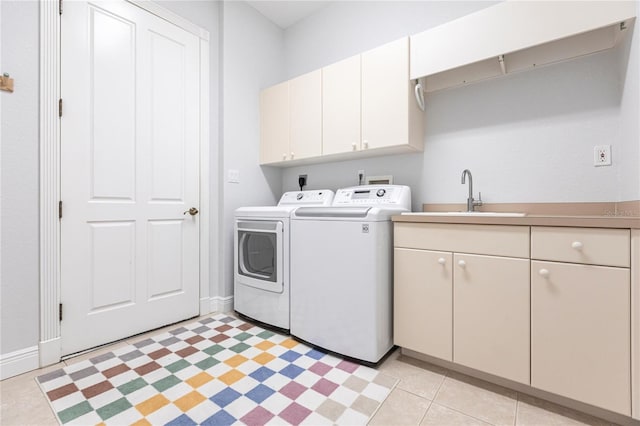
(286,13)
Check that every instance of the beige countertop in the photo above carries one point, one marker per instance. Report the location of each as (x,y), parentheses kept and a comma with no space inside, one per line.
(611,221)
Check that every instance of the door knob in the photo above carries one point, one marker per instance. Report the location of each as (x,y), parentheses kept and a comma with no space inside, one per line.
(192,211)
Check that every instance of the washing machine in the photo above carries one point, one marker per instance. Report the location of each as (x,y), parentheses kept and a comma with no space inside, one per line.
(261,256)
(342,267)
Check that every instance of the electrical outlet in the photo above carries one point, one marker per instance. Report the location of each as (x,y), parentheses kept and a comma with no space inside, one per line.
(302,181)
(602,155)
(233,176)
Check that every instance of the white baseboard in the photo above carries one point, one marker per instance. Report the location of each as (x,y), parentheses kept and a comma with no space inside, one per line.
(50,351)
(19,362)
(222,304)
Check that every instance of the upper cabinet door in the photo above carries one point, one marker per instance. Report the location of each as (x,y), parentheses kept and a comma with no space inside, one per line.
(341,106)
(385,95)
(274,123)
(305,105)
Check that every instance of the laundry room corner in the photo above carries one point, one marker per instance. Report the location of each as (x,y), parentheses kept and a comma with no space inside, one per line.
(252,59)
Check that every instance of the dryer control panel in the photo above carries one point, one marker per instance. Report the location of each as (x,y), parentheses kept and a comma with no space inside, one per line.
(374,195)
(321,197)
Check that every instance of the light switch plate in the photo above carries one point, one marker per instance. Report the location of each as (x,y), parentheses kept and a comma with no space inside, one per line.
(233,176)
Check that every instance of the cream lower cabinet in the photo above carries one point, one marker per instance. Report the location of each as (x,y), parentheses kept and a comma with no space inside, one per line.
(491,315)
(545,306)
(472,309)
(580,316)
(423,301)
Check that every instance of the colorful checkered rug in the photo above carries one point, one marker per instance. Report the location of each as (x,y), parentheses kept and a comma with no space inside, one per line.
(216,371)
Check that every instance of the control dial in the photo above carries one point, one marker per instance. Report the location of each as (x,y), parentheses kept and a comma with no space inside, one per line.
(381,192)
(299,196)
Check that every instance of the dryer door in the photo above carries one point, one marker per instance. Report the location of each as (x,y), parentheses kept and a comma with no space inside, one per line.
(259,253)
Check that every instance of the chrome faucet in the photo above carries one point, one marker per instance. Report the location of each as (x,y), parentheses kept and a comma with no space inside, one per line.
(471,203)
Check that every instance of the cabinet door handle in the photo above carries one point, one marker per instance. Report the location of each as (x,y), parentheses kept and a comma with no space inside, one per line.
(442,261)
(462,263)
(577,245)
(544,273)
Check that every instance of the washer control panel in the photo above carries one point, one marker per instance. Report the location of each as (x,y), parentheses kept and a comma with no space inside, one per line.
(374,195)
(321,197)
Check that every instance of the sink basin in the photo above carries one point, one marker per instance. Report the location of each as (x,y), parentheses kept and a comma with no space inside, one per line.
(487,214)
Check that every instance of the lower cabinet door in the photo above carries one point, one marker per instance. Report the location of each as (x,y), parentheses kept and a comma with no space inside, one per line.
(580,333)
(422,301)
(491,315)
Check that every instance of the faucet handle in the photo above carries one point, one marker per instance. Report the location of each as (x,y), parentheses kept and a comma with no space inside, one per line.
(479,201)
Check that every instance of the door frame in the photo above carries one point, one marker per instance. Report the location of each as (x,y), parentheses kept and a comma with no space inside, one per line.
(49,347)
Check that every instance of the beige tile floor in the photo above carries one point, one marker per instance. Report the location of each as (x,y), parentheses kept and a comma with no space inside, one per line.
(425,395)
(430,395)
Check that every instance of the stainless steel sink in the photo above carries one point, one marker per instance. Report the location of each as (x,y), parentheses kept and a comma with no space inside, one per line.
(487,214)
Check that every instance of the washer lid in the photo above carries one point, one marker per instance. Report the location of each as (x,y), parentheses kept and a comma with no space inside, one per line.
(365,213)
(337,212)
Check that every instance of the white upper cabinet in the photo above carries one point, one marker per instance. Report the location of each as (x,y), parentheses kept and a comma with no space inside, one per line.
(291,119)
(387,98)
(360,107)
(274,123)
(513,36)
(341,107)
(305,106)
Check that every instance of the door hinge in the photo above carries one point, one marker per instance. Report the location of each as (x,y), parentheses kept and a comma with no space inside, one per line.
(60,107)
(60,312)
(60,7)
(59,209)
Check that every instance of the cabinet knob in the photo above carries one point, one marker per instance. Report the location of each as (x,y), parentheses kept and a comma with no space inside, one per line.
(366,144)
(284,156)
(544,273)
(292,155)
(353,146)
(462,263)
(442,261)
(576,245)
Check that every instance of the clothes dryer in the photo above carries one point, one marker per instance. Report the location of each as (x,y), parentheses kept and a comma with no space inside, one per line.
(261,256)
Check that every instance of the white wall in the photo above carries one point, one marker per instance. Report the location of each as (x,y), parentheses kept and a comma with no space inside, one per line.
(629,68)
(526,137)
(253,51)
(19,285)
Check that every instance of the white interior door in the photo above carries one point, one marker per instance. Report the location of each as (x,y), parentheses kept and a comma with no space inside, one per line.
(129,161)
